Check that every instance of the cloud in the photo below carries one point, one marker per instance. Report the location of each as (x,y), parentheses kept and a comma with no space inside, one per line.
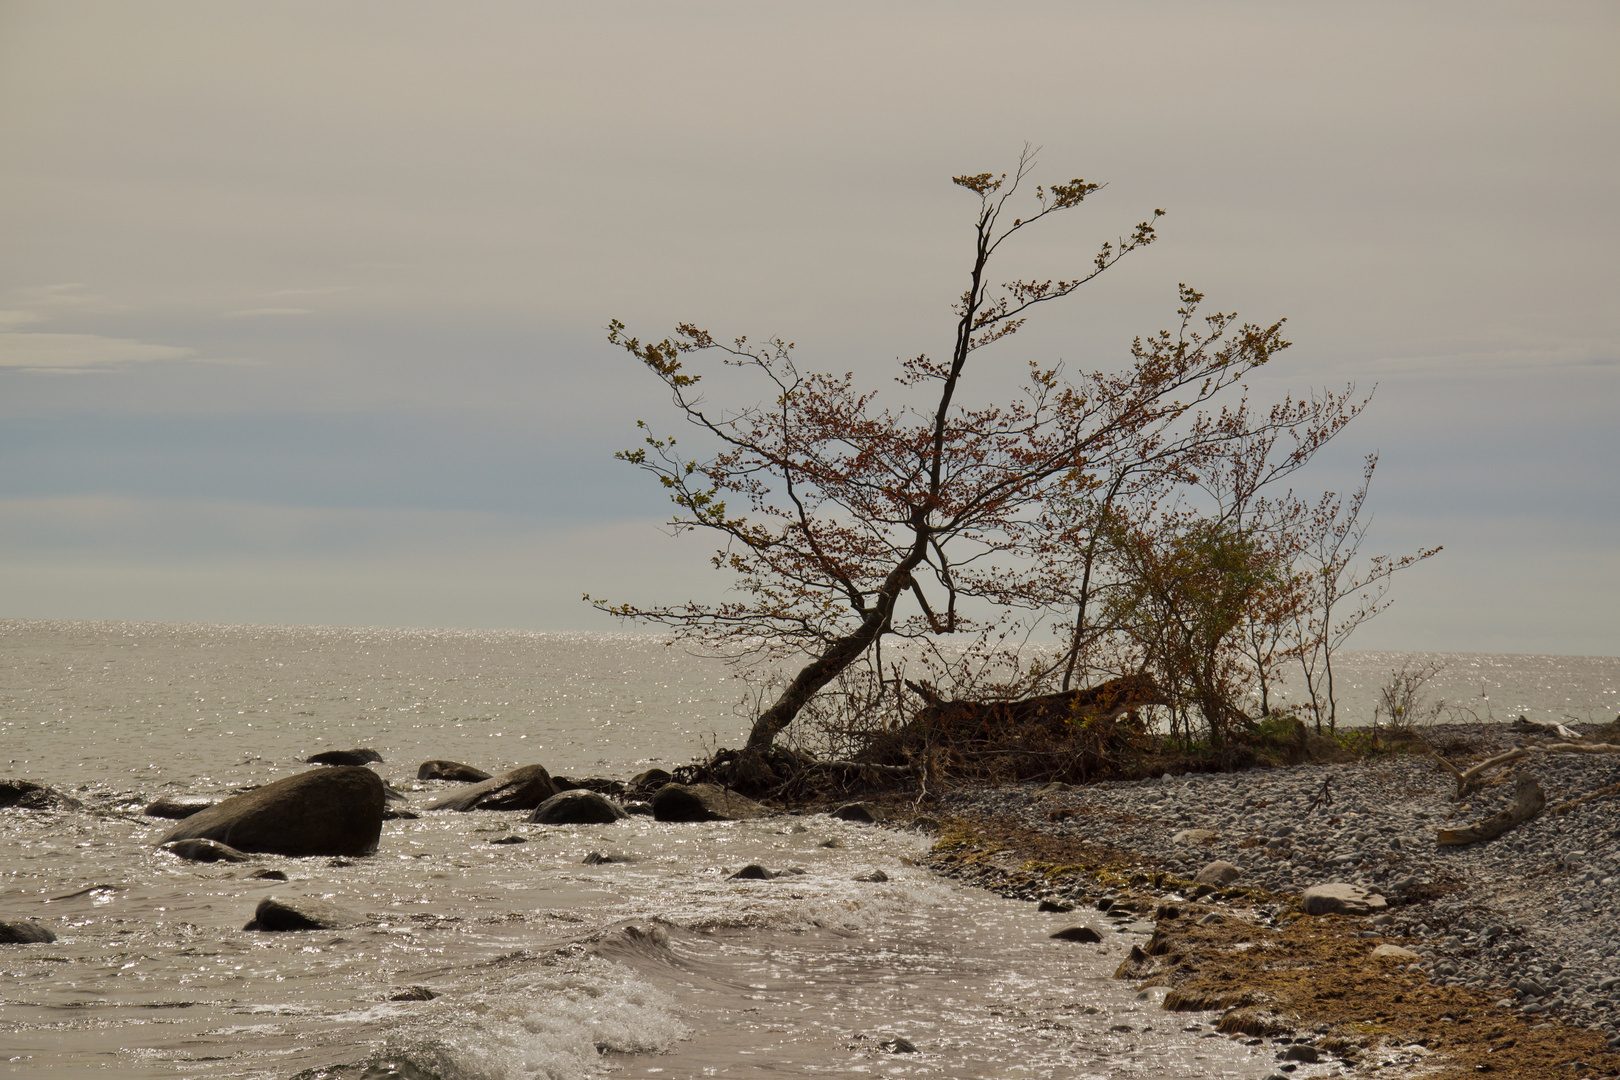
(250,312)
(60,354)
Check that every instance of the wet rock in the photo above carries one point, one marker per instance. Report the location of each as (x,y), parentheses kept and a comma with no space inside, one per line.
(638,808)
(577,807)
(650,779)
(511,840)
(200,850)
(413,993)
(360,755)
(1054,906)
(269,875)
(1084,934)
(875,876)
(1218,873)
(300,913)
(756,872)
(863,812)
(33,795)
(596,858)
(177,807)
(897,1045)
(328,811)
(1341,898)
(523,788)
(391,814)
(450,770)
(1303,1052)
(24,932)
(703,802)
(599,784)
(1395,952)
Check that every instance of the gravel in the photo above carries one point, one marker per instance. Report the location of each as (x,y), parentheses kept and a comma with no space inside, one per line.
(1526,917)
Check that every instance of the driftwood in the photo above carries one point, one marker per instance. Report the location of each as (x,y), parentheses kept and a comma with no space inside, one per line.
(1527,726)
(1528,801)
(1469,779)
(1601,793)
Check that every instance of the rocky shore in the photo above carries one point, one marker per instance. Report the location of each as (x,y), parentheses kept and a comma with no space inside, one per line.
(1517,934)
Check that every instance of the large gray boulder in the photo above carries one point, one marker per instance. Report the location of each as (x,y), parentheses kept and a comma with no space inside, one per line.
(33,795)
(300,913)
(24,932)
(1341,898)
(703,802)
(578,806)
(337,810)
(523,788)
(438,769)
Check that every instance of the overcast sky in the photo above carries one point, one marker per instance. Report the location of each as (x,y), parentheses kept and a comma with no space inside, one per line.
(302,304)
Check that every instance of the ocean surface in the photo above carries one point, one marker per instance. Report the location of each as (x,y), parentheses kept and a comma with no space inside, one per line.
(654,964)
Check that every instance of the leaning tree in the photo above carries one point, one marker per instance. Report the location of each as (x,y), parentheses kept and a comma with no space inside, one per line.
(844,518)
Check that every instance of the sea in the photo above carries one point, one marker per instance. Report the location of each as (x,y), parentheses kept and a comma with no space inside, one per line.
(544,960)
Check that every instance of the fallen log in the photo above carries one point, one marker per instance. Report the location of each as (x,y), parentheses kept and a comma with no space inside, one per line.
(1532,727)
(1528,801)
(1469,779)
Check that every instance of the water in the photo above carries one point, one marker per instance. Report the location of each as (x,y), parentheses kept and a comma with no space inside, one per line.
(651,965)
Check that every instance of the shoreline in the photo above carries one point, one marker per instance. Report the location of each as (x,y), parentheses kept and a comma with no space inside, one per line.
(1515,959)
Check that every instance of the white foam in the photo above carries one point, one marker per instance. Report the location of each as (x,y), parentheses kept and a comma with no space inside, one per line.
(554,1029)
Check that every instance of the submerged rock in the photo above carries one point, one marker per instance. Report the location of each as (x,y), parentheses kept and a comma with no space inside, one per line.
(413,993)
(450,770)
(523,788)
(300,913)
(177,807)
(33,795)
(577,807)
(269,875)
(24,932)
(200,850)
(329,811)
(703,802)
(360,755)
(1083,934)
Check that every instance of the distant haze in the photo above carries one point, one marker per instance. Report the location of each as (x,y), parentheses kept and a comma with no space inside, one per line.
(302,304)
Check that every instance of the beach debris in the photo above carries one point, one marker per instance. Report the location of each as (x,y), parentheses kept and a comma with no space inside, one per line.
(450,770)
(1526,726)
(1528,801)
(326,811)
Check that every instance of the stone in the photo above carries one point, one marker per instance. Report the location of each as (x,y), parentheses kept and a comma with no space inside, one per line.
(511,840)
(25,932)
(651,778)
(863,812)
(300,913)
(327,811)
(391,814)
(1054,906)
(754,872)
(1083,934)
(1341,898)
(897,1045)
(874,877)
(1193,836)
(703,802)
(360,755)
(1395,952)
(269,875)
(413,993)
(200,850)
(523,788)
(450,770)
(1218,873)
(177,807)
(33,795)
(1303,1052)
(577,807)
(638,808)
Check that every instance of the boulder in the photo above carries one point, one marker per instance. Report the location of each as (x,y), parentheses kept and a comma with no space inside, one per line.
(638,808)
(199,850)
(24,932)
(329,811)
(300,913)
(269,875)
(703,802)
(1341,898)
(579,806)
(1218,873)
(33,795)
(1083,934)
(358,756)
(523,788)
(863,812)
(450,770)
(599,784)
(177,807)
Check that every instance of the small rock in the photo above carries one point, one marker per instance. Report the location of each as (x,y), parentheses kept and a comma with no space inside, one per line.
(1395,952)
(24,932)
(638,808)
(1193,836)
(832,843)
(414,993)
(1083,934)
(753,872)
(1218,873)
(267,874)
(360,755)
(874,876)
(863,812)
(200,850)
(897,1045)
(511,840)
(176,807)
(1054,906)
(300,913)
(1341,898)
(450,770)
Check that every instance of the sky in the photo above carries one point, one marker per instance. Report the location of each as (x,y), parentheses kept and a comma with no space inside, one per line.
(303,305)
